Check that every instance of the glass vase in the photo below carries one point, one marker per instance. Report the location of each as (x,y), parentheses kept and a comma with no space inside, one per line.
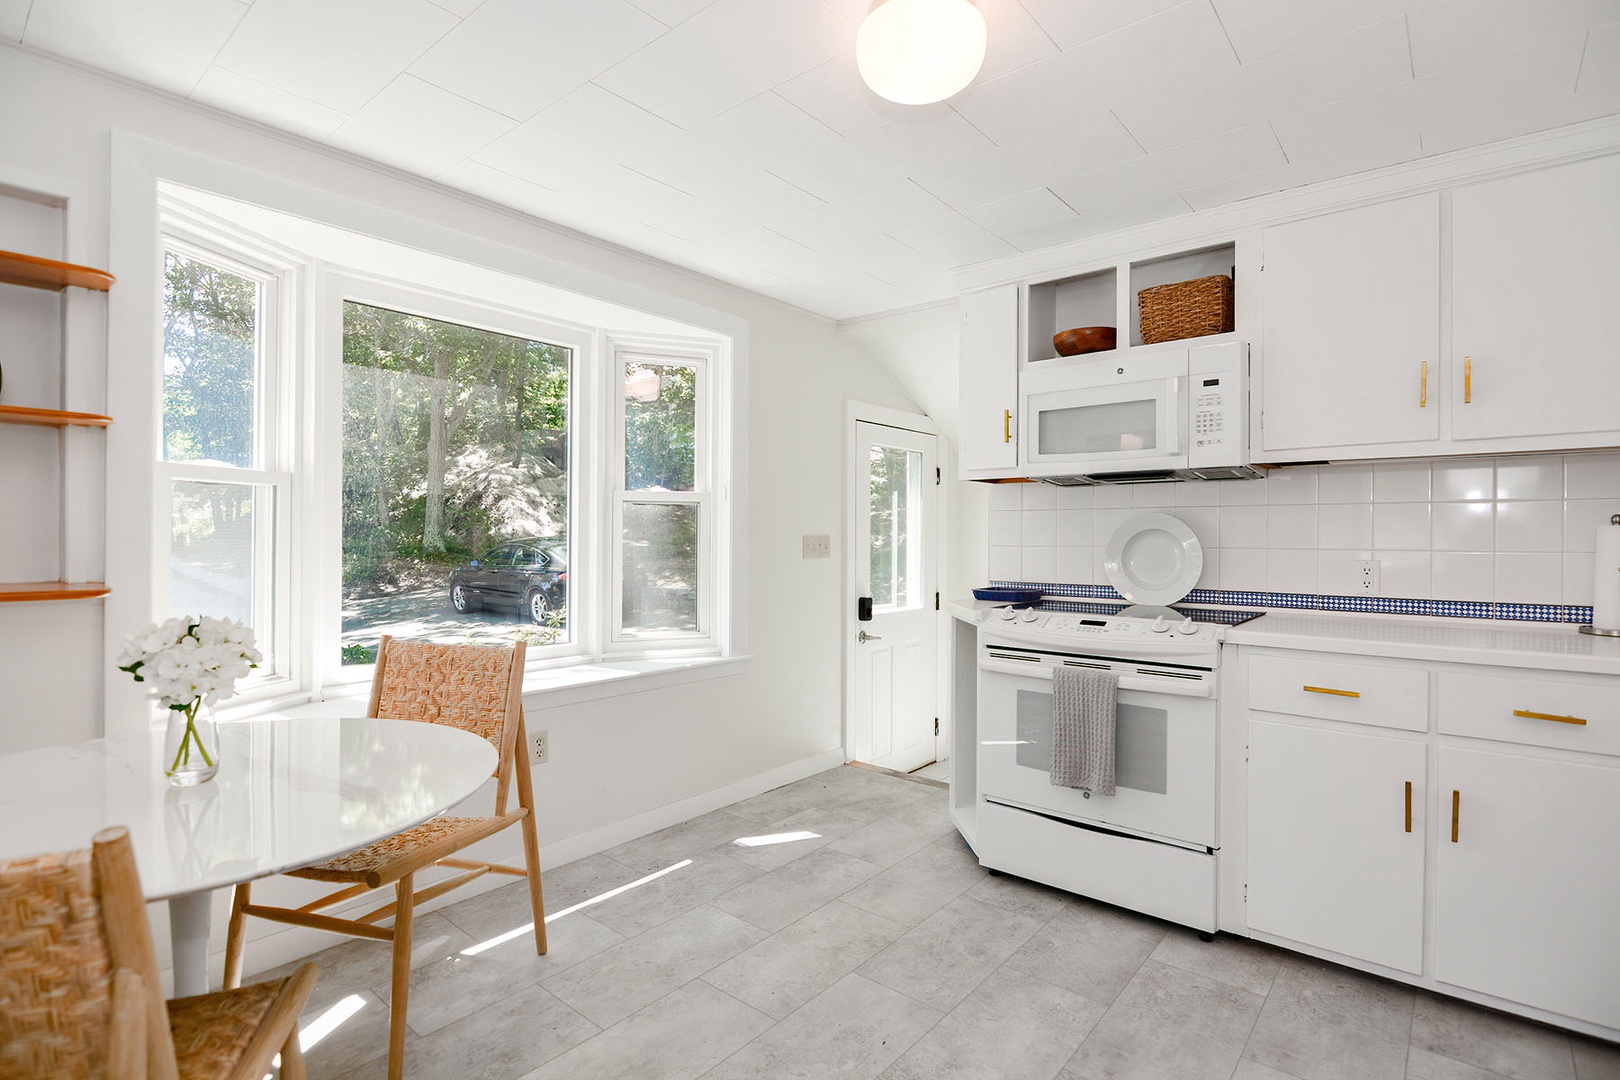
(191,745)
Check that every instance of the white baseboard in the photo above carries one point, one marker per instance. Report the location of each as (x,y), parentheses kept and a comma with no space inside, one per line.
(271,945)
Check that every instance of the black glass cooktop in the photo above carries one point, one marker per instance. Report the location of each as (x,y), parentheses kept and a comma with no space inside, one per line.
(1196,612)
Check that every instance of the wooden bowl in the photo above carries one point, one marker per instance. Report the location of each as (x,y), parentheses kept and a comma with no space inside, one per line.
(1084,339)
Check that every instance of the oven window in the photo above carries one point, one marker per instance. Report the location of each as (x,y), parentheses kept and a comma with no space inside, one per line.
(1099,429)
(1141,742)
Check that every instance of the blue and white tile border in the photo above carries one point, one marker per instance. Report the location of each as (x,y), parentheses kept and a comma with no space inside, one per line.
(1374,605)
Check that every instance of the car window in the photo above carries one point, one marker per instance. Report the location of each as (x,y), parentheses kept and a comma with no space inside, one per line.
(501,556)
(556,559)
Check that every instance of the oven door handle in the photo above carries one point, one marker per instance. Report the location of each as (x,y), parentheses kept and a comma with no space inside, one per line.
(1176,687)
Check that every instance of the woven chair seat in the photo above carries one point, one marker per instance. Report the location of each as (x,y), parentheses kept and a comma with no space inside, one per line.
(356,865)
(211,1030)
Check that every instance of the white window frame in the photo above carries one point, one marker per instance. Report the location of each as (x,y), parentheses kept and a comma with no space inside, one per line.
(273,450)
(624,350)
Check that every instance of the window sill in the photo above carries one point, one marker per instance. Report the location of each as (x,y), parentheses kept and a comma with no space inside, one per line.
(569,684)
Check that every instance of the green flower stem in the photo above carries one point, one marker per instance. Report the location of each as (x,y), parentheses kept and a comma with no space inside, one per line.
(182,754)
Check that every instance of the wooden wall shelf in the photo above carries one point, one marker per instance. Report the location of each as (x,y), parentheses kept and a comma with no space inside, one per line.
(18,414)
(37,273)
(25,591)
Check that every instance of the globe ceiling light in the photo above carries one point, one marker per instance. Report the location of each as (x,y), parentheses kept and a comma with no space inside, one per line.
(914,52)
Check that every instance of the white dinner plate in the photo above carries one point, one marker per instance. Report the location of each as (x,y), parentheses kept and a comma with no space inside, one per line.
(1153,559)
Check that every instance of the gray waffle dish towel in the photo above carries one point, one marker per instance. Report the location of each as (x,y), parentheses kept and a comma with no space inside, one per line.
(1084,713)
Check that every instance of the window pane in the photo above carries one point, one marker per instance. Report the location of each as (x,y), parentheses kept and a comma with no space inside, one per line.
(660,426)
(455,443)
(660,569)
(217,563)
(210,363)
(895,498)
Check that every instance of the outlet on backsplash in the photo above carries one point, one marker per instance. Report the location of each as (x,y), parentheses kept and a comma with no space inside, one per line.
(1368,582)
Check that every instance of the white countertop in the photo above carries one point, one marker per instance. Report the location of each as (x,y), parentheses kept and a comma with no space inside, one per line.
(1547,646)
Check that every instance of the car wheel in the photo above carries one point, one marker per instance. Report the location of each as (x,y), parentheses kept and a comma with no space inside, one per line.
(461,599)
(537,607)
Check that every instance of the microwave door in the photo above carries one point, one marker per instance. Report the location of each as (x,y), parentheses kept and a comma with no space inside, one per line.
(1132,426)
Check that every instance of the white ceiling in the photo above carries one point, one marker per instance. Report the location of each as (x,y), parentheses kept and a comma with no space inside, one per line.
(735,137)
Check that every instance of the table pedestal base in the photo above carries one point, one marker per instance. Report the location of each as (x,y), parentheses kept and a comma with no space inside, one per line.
(189,916)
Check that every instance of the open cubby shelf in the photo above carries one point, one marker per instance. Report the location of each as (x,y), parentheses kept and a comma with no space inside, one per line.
(36,273)
(26,591)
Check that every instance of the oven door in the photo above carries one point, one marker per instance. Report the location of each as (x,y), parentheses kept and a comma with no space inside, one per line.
(1165,747)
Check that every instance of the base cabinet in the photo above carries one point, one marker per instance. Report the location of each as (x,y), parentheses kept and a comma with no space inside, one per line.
(1336,840)
(1527,900)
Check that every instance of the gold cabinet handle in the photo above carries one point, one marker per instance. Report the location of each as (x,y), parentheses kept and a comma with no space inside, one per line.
(1456,808)
(1409,806)
(1528,715)
(1006,425)
(1468,380)
(1423,391)
(1330,690)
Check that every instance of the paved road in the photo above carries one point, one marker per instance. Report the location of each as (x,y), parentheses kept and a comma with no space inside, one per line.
(426,615)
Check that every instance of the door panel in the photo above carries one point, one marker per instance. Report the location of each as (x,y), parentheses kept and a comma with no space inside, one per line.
(891,656)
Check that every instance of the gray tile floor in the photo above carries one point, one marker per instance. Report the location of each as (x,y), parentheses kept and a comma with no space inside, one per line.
(875,946)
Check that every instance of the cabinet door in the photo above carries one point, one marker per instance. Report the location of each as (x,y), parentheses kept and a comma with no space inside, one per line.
(1528,894)
(1351,313)
(1335,856)
(989,374)
(1535,271)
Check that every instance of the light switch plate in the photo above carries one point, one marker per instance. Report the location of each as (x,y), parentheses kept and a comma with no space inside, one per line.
(818,546)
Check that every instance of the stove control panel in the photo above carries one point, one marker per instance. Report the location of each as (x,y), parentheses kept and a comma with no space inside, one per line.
(1126,627)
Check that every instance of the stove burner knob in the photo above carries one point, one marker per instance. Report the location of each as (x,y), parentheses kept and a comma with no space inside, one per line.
(1030,616)
(1007,614)
(1188,626)
(1160,625)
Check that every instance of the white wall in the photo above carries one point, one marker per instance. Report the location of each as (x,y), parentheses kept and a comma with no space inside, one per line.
(617,763)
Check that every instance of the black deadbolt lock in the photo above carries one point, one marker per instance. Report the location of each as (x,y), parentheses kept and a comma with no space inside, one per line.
(863,609)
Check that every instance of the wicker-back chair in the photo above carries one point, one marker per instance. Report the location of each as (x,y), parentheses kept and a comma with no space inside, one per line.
(474,687)
(79,989)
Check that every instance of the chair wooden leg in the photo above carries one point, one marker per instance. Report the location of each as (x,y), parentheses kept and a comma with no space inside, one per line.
(292,1058)
(236,936)
(531,858)
(403,916)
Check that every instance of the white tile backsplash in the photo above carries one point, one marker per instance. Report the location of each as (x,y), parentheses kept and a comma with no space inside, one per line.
(1511,529)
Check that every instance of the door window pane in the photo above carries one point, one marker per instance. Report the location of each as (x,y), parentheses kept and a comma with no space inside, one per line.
(455,444)
(660,427)
(660,569)
(210,363)
(1099,429)
(896,502)
(216,556)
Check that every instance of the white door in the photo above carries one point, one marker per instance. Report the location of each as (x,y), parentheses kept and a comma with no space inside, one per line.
(1535,270)
(894,501)
(1336,840)
(1350,330)
(989,381)
(1527,881)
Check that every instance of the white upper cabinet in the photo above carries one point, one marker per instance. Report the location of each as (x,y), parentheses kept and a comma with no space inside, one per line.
(989,379)
(1535,320)
(1350,329)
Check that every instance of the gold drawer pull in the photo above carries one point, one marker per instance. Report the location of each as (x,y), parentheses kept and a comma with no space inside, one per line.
(1423,391)
(1456,808)
(1330,690)
(1468,380)
(1528,715)
(1409,806)
(1006,425)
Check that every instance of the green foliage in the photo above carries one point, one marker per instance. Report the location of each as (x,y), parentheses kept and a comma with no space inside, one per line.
(359,654)
(660,435)
(209,362)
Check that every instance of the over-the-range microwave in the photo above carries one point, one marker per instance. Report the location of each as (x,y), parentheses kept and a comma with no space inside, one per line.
(1176,412)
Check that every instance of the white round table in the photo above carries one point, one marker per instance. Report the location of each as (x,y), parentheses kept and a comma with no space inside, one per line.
(288,793)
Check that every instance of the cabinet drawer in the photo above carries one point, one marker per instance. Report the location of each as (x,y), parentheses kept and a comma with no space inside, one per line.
(1388,697)
(1538,712)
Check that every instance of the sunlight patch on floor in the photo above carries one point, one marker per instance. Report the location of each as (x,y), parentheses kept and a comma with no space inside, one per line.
(776,838)
(501,939)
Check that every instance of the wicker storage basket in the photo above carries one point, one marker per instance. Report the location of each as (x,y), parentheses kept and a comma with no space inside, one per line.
(1186,309)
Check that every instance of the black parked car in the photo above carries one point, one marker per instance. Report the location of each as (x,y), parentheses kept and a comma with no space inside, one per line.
(530,574)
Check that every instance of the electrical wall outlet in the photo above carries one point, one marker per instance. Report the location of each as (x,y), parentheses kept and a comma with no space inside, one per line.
(539,748)
(1367,582)
(818,546)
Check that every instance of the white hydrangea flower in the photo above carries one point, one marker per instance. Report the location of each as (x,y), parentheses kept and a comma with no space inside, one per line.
(186,658)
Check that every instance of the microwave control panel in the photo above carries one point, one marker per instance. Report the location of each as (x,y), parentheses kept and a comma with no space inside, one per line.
(1218,397)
